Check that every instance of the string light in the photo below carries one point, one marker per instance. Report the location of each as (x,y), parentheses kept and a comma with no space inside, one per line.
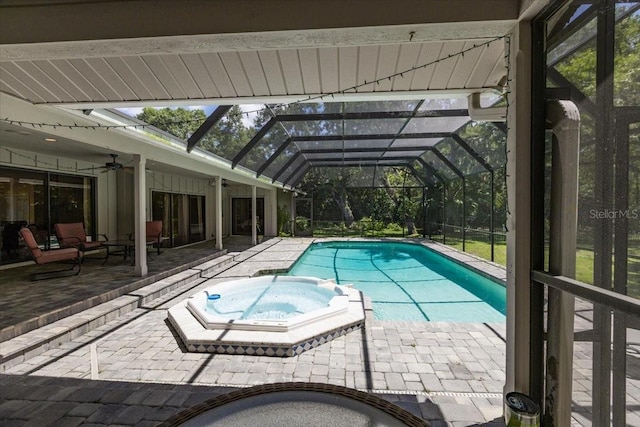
(57,166)
(349,90)
(507,93)
(38,162)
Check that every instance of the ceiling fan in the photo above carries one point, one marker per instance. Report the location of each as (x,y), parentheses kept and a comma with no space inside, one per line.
(113,165)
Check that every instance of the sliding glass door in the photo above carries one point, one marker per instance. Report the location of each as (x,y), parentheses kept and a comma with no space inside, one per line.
(182,217)
(71,200)
(241,214)
(196,218)
(39,200)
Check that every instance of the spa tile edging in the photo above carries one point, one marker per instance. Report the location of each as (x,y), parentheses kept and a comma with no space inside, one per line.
(274,350)
(196,338)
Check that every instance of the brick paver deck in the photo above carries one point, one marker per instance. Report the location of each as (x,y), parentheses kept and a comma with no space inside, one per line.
(133,370)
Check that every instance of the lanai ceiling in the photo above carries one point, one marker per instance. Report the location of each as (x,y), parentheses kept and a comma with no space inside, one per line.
(208,75)
(154,53)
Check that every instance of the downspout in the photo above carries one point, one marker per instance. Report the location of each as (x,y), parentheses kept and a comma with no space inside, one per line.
(564,119)
(487,114)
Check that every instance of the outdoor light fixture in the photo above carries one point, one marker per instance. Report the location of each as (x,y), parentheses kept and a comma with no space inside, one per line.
(50,139)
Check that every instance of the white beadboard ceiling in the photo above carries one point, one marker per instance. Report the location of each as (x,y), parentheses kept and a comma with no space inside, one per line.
(243,75)
(197,52)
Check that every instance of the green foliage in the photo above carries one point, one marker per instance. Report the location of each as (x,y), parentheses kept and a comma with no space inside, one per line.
(483,250)
(394,228)
(283,219)
(580,67)
(179,122)
(367,223)
(302,223)
(225,139)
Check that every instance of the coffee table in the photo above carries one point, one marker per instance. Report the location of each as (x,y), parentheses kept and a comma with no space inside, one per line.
(128,247)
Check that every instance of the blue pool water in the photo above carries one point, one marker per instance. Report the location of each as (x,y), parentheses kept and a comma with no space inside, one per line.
(406,281)
(268,298)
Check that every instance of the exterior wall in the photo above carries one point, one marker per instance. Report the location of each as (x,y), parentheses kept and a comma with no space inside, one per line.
(106,185)
(116,220)
(121,219)
(244,191)
(158,181)
(31,160)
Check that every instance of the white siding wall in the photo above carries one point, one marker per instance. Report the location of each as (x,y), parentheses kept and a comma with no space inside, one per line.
(270,206)
(114,189)
(106,213)
(170,183)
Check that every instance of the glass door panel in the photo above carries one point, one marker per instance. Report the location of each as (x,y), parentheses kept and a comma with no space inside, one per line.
(182,217)
(196,219)
(23,198)
(160,212)
(71,201)
(39,200)
(179,220)
(241,214)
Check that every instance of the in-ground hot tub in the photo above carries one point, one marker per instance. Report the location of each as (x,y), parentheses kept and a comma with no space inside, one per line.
(268,303)
(267,315)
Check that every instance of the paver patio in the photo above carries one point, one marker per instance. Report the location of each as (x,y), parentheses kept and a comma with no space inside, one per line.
(133,370)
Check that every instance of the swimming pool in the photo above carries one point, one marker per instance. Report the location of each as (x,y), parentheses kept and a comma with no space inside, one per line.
(406,281)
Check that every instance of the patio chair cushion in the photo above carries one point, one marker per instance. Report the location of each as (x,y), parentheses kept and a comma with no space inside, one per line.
(44,257)
(72,235)
(154,231)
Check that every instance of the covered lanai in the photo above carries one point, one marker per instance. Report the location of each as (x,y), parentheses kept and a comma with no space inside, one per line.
(470,102)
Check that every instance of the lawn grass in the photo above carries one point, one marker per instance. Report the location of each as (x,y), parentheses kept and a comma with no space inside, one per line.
(584,257)
(483,250)
(584,262)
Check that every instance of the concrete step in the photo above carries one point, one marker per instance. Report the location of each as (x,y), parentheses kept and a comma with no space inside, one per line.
(30,344)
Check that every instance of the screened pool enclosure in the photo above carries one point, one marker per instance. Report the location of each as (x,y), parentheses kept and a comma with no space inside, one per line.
(418,167)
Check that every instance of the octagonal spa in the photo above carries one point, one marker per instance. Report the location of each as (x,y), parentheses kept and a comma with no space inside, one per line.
(267,315)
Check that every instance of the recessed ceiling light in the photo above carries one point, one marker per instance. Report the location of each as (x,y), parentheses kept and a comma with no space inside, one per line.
(50,139)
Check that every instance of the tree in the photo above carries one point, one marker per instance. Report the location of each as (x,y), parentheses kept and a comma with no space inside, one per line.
(579,68)
(225,139)
(179,122)
(228,136)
